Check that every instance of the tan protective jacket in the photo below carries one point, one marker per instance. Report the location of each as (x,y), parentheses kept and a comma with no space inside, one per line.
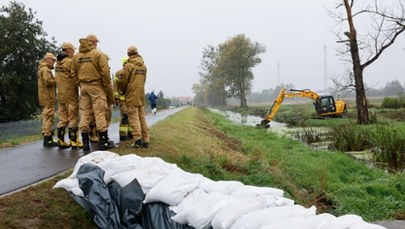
(133,81)
(118,93)
(67,84)
(46,84)
(90,65)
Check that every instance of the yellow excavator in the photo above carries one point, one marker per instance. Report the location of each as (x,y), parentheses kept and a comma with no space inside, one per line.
(325,105)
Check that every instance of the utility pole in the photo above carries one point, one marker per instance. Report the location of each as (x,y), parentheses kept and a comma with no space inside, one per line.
(325,74)
(278,74)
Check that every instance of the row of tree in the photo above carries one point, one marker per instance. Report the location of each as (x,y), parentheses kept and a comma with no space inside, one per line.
(392,88)
(227,68)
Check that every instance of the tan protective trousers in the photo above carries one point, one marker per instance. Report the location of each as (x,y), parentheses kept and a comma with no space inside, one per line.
(92,100)
(123,128)
(108,114)
(47,119)
(68,115)
(137,122)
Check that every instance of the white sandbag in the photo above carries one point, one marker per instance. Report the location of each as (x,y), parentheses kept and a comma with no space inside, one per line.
(189,201)
(249,191)
(119,165)
(147,177)
(302,222)
(173,188)
(201,214)
(277,201)
(349,221)
(70,185)
(94,158)
(227,216)
(256,219)
(224,187)
(157,162)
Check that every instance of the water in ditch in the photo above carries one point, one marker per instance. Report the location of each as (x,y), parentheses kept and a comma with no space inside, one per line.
(315,137)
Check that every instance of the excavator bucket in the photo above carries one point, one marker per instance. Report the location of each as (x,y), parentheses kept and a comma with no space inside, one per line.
(264,124)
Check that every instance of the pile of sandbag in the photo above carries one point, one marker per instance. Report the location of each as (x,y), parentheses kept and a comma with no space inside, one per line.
(123,191)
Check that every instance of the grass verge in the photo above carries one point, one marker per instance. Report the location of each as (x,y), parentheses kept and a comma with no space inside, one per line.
(203,142)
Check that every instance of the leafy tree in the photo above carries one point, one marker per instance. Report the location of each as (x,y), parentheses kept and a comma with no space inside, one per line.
(24,43)
(237,57)
(199,95)
(227,71)
(162,102)
(393,88)
(211,90)
(386,24)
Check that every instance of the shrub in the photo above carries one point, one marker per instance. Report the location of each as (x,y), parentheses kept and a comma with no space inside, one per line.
(392,103)
(390,140)
(349,137)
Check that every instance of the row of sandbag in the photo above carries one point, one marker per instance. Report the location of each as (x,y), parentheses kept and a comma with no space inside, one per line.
(203,203)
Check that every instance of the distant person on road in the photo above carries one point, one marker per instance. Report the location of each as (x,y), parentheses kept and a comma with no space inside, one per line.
(153,99)
(133,83)
(68,98)
(46,97)
(93,72)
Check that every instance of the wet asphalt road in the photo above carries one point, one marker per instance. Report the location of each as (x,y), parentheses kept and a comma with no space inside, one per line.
(27,164)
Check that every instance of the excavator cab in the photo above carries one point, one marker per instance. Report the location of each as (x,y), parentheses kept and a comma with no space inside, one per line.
(325,105)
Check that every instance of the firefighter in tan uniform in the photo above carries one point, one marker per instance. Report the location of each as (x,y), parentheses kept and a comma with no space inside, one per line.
(133,83)
(68,98)
(46,96)
(93,128)
(125,132)
(91,67)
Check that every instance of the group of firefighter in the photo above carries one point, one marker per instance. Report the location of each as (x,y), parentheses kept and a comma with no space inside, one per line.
(88,71)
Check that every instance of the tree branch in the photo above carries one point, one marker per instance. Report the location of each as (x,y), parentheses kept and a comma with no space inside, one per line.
(379,52)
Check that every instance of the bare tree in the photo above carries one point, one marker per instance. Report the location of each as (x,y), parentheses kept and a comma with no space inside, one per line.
(386,22)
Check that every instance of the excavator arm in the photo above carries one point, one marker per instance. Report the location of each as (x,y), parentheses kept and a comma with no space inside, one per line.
(325,106)
(280,98)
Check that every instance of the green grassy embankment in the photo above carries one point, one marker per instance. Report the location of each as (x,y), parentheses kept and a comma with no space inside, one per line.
(203,142)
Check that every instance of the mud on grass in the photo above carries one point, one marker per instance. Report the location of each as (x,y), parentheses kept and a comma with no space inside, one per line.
(41,206)
(190,140)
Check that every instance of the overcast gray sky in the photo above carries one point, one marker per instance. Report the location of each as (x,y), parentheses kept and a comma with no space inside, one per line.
(171,35)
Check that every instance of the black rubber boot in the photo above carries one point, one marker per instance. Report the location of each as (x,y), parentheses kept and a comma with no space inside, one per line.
(123,138)
(130,136)
(137,144)
(61,139)
(86,142)
(93,135)
(49,142)
(145,145)
(104,142)
(75,143)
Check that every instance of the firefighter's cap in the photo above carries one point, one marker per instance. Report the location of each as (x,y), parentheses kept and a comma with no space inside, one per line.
(49,55)
(68,45)
(92,37)
(132,49)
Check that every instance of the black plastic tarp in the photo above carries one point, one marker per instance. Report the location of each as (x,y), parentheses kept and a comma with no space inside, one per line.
(112,206)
